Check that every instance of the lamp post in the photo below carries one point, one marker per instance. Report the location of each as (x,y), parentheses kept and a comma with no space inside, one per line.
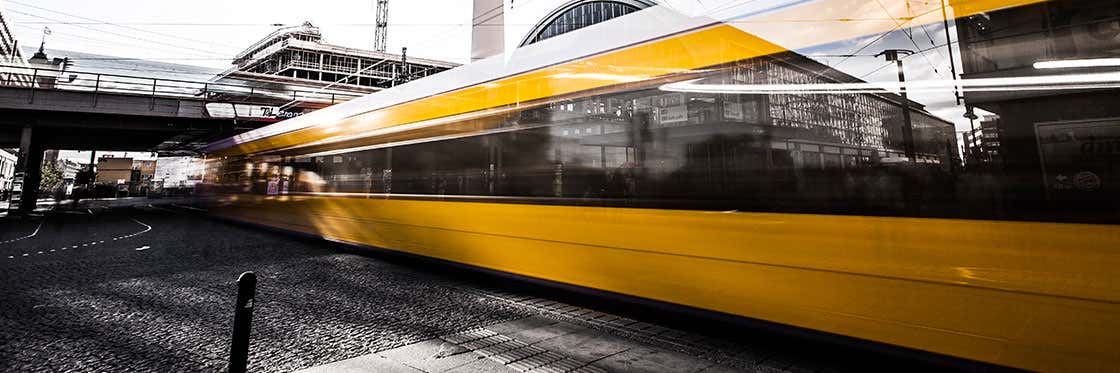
(907,125)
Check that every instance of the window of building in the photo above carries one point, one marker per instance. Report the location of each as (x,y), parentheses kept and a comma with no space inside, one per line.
(580,14)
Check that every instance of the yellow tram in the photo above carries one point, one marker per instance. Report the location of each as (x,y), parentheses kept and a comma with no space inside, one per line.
(710,159)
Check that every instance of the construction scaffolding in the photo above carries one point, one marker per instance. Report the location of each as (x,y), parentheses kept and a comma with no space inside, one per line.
(299,52)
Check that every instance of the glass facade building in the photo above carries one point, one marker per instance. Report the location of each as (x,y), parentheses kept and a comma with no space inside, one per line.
(580,14)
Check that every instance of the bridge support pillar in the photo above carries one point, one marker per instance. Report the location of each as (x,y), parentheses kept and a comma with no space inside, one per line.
(30,163)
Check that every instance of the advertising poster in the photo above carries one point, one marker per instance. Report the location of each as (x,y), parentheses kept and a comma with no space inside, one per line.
(1080,158)
(273,187)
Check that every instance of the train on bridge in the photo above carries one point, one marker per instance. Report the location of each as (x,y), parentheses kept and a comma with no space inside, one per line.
(729,159)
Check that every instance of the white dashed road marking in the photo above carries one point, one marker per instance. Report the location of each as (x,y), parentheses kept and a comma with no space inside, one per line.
(27,236)
(91,243)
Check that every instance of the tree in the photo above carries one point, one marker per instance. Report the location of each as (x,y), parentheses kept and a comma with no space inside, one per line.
(51,178)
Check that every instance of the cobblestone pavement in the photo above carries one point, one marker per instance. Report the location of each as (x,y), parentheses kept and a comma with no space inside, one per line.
(152,289)
(104,292)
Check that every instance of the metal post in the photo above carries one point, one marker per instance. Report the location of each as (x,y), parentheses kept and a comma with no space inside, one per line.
(242,322)
(96,88)
(152,105)
(907,125)
(34,79)
(404,77)
(92,173)
(949,46)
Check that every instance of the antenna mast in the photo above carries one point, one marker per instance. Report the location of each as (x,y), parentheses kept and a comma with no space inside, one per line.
(382,30)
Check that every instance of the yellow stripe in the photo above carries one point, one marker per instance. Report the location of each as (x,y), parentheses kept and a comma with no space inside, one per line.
(1040,296)
(707,47)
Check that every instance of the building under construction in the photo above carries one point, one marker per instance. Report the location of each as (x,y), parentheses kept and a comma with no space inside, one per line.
(298,53)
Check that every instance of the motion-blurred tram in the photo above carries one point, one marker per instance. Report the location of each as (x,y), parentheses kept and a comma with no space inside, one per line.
(727,158)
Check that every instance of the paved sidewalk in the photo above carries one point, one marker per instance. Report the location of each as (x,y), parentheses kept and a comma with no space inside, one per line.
(531,344)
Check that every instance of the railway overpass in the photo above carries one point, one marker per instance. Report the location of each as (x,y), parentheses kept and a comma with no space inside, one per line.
(66,109)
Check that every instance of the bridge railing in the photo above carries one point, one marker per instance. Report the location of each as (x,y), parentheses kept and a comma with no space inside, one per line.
(211,92)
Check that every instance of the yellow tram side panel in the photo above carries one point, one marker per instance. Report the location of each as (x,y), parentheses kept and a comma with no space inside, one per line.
(1039,296)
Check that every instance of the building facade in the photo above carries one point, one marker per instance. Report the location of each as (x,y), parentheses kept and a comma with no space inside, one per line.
(179,172)
(7,172)
(144,172)
(114,170)
(69,170)
(299,52)
(981,144)
(11,57)
(126,174)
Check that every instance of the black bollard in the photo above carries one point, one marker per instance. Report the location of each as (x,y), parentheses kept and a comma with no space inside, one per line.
(242,322)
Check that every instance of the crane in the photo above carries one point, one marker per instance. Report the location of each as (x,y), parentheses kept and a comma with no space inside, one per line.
(382,29)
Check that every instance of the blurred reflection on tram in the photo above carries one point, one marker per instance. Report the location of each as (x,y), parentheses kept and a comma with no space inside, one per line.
(836,153)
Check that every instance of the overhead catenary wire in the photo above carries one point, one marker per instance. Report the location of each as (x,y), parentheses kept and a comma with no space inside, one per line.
(890,63)
(64,34)
(475,19)
(909,36)
(162,43)
(932,41)
(101,22)
(882,35)
(476,22)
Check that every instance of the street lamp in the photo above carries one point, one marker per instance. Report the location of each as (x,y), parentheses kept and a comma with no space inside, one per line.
(907,125)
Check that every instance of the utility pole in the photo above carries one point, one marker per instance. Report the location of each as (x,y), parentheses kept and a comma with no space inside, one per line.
(907,125)
(381,32)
